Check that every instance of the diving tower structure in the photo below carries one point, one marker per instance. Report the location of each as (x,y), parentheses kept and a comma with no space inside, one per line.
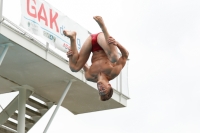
(33,69)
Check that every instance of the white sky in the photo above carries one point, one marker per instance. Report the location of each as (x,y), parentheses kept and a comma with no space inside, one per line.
(163,39)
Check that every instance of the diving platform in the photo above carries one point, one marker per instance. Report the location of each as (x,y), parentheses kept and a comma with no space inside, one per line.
(28,63)
(42,78)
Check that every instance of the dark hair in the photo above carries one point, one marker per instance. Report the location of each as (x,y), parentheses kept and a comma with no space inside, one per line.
(107,96)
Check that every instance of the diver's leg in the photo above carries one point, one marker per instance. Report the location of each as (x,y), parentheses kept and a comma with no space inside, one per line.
(110,50)
(78,59)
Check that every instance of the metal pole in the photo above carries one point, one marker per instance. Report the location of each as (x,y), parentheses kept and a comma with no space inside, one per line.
(21,110)
(58,105)
(3,53)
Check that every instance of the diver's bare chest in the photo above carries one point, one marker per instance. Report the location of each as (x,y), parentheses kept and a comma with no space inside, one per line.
(100,66)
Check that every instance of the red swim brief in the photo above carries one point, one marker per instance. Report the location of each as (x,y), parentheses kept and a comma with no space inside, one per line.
(95,45)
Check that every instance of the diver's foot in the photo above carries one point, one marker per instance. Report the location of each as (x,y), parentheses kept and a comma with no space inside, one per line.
(100,21)
(70,34)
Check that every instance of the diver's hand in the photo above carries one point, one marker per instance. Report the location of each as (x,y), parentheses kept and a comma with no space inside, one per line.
(111,40)
(69,53)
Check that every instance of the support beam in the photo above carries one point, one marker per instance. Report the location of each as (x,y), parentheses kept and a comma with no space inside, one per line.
(58,105)
(21,111)
(22,106)
(3,53)
(8,111)
(11,108)
(5,49)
